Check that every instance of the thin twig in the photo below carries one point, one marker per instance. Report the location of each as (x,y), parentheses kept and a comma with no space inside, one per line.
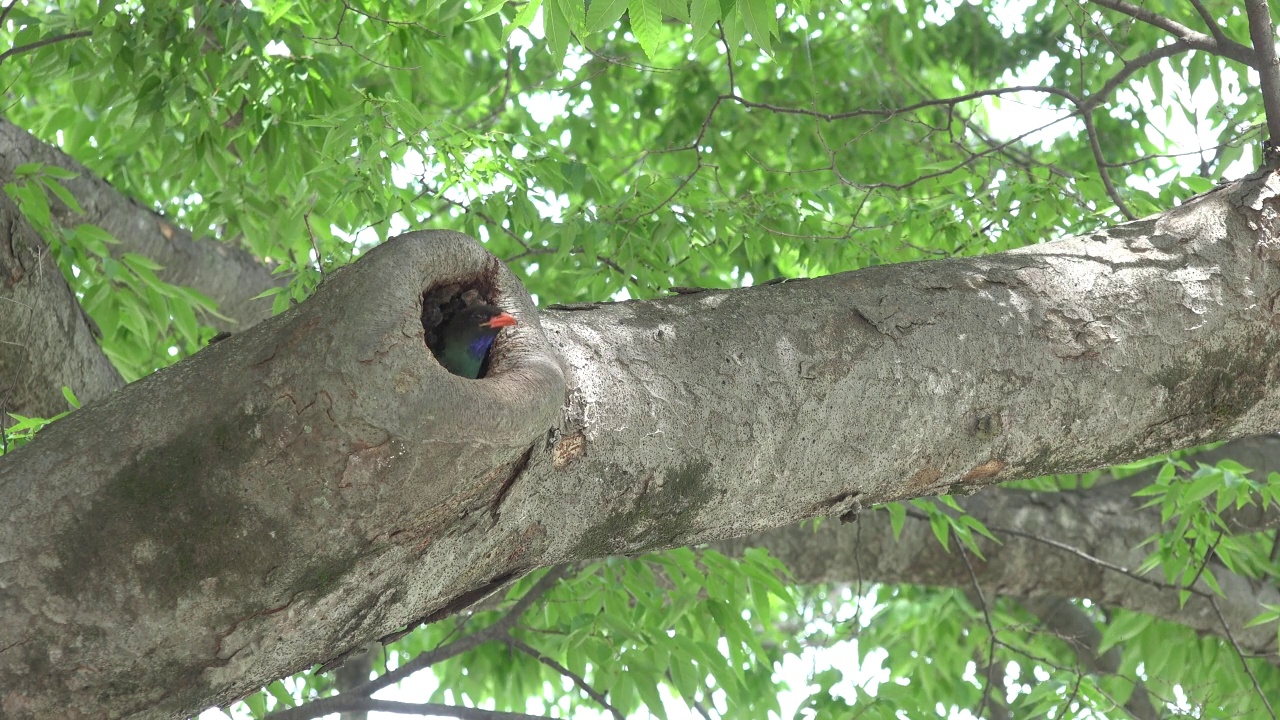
(355,703)
(917,515)
(991,628)
(329,705)
(427,659)
(41,43)
(4,14)
(306,220)
(728,57)
(1208,555)
(1101,161)
(1240,653)
(577,679)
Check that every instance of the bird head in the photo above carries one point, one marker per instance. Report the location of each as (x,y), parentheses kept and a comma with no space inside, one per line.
(466,337)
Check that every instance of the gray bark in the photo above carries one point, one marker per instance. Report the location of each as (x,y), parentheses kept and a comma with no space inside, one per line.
(46,341)
(318,481)
(228,275)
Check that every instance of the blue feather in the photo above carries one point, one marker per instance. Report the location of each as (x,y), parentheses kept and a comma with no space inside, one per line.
(480,346)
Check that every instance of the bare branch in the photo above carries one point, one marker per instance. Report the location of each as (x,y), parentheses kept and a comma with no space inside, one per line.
(986,616)
(4,14)
(1229,49)
(1226,628)
(577,679)
(42,43)
(338,703)
(1096,147)
(354,703)
(1069,623)
(427,659)
(1263,34)
(1210,21)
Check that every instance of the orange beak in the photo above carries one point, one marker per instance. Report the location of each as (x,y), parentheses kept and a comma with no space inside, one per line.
(501,320)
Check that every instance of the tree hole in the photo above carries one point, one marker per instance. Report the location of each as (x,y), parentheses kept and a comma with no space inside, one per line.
(452,319)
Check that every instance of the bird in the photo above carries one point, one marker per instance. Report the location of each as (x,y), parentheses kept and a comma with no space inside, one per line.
(466,337)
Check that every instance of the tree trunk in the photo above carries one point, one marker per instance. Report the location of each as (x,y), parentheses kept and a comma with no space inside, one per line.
(319,481)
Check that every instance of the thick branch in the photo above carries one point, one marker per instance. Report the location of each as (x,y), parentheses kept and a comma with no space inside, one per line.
(46,341)
(1263,34)
(228,275)
(1227,48)
(296,490)
(296,473)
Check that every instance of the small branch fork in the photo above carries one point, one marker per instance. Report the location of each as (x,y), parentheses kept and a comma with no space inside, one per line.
(359,699)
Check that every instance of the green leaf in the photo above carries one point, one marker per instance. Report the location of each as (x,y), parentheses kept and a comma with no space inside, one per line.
(976,525)
(575,12)
(184,318)
(558,30)
(941,529)
(1124,626)
(604,13)
(489,8)
(759,19)
(897,518)
(522,18)
(59,173)
(140,262)
(646,24)
(678,9)
(704,14)
(282,696)
(63,194)
(1271,615)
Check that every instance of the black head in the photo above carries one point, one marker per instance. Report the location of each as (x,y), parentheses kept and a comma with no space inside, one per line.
(483,316)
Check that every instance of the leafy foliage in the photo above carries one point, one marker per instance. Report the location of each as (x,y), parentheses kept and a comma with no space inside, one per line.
(618,147)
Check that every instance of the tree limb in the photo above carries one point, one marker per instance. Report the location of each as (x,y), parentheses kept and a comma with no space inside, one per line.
(497,631)
(43,42)
(1263,34)
(46,340)
(355,703)
(228,275)
(298,489)
(1229,49)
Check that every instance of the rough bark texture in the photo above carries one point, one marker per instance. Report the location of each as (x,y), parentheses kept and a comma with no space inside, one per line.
(229,275)
(46,340)
(159,541)
(316,482)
